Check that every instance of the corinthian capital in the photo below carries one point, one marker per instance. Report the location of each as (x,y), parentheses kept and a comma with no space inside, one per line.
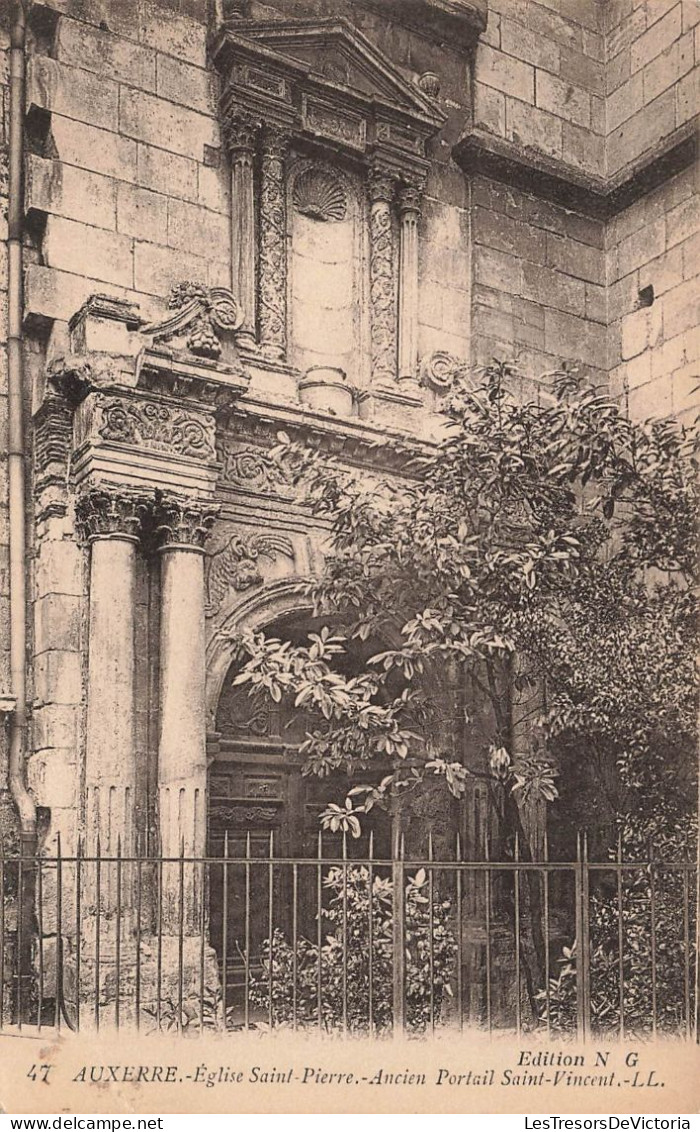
(381,185)
(240,132)
(111,513)
(183,523)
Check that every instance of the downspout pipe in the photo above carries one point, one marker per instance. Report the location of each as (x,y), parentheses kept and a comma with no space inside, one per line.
(26,807)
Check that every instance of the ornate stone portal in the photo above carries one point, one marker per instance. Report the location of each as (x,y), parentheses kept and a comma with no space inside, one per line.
(302,87)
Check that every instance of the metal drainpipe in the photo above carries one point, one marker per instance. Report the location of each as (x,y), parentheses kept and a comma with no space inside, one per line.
(26,807)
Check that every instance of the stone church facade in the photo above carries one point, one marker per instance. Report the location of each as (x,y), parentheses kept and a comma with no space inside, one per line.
(294,216)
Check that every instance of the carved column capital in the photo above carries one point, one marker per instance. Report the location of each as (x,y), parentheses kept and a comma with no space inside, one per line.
(381,185)
(183,524)
(111,513)
(274,143)
(241,133)
(410,196)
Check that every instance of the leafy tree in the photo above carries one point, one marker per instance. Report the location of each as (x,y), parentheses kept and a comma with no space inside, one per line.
(541,557)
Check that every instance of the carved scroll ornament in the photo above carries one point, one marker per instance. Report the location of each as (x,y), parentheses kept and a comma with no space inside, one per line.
(439,370)
(201,314)
(235,565)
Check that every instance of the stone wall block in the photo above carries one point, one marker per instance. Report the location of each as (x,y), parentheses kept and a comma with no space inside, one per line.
(511,76)
(659,36)
(536,128)
(87,251)
(102,151)
(161,123)
(576,259)
(57,622)
(106,53)
(142,213)
(58,678)
(563,99)
(72,92)
(77,194)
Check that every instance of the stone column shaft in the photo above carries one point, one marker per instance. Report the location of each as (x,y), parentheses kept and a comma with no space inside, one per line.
(241,137)
(409,211)
(182,764)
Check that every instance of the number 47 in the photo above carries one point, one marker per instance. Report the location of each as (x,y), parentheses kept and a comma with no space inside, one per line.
(40,1073)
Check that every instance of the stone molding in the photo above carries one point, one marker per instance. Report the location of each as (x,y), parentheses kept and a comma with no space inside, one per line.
(598,197)
(381,187)
(254,469)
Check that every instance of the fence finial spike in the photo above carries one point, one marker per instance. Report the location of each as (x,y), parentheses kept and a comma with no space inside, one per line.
(182,847)
(319,845)
(402,845)
(458,846)
(487,846)
(345,845)
(247,845)
(517,845)
(371,844)
(272,842)
(225,843)
(545,846)
(119,845)
(430,844)
(58,843)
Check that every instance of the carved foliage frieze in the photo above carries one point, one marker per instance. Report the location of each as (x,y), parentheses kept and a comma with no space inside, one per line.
(153,424)
(254,469)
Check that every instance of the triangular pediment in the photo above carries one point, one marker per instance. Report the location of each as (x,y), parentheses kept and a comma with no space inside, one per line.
(334,54)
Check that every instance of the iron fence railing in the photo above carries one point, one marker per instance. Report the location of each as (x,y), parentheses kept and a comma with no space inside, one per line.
(247,937)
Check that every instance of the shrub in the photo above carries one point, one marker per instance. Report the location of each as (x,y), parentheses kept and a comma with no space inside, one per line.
(343,963)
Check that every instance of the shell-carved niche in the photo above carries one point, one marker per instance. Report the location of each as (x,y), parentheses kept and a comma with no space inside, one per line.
(320,195)
(326,300)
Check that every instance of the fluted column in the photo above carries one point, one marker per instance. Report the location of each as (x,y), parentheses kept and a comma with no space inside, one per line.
(110,521)
(182,768)
(273,244)
(381,188)
(241,133)
(409,213)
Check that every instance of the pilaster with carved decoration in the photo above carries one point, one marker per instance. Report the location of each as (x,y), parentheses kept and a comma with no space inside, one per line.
(383,314)
(273,244)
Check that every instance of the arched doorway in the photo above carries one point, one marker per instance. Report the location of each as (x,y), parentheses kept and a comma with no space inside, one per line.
(264,813)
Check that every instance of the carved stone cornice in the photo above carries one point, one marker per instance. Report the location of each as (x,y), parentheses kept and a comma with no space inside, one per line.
(321,78)
(180,523)
(111,512)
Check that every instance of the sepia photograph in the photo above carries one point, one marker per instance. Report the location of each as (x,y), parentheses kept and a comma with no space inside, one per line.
(349,496)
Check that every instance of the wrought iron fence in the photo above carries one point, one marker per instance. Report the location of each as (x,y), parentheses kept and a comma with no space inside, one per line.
(362,944)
